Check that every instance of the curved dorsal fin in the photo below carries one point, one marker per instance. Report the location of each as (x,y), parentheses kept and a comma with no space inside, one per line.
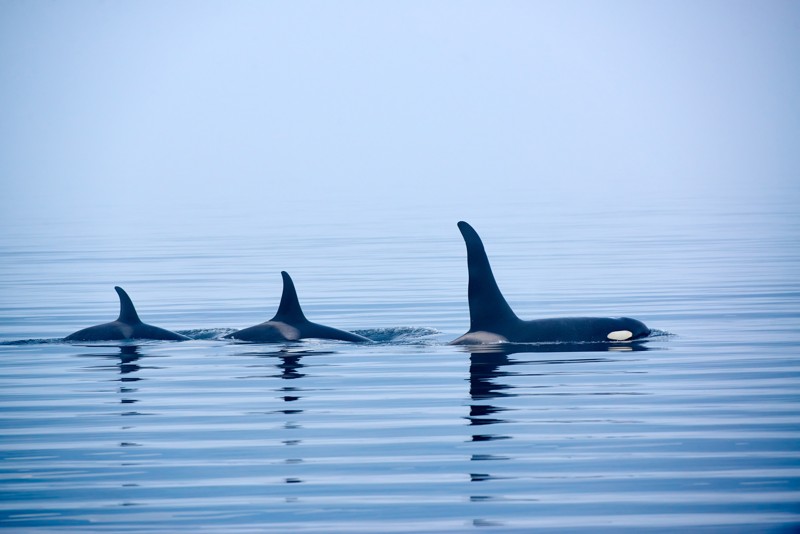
(127,313)
(487,306)
(289,309)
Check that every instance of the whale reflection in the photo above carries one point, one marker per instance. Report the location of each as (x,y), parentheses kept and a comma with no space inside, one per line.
(128,356)
(516,348)
(127,362)
(491,364)
(289,364)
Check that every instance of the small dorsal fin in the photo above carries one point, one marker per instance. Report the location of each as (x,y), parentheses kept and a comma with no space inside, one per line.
(289,309)
(127,313)
(487,306)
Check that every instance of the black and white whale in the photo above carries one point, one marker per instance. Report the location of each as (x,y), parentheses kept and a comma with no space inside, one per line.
(493,321)
(127,326)
(290,324)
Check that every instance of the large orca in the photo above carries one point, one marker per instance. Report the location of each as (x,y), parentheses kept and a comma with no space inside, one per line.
(290,324)
(493,321)
(127,326)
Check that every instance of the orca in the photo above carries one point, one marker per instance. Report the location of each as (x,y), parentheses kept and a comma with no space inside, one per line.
(493,321)
(290,324)
(127,326)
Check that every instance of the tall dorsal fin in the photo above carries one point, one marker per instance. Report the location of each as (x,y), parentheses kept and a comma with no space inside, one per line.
(289,309)
(487,306)
(127,313)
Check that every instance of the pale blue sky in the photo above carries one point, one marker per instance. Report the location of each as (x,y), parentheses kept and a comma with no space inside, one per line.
(163,107)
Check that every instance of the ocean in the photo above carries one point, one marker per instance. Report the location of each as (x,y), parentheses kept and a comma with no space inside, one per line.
(695,428)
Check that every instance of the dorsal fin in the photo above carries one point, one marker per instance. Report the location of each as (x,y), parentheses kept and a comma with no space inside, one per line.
(487,306)
(127,313)
(289,309)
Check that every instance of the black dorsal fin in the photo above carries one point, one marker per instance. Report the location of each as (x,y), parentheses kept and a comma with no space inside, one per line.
(487,306)
(127,313)
(289,309)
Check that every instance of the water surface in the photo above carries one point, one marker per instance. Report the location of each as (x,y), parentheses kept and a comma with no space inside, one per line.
(698,429)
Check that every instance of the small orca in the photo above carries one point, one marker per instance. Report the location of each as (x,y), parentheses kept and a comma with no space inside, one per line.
(289,323)
(127,326)
(493,321)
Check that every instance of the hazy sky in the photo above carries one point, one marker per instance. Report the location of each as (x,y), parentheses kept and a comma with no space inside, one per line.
(158,107)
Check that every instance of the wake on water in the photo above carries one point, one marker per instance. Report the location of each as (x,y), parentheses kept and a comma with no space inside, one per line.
(397,335)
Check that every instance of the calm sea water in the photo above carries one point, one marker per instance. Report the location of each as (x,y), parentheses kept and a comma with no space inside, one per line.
(697,428)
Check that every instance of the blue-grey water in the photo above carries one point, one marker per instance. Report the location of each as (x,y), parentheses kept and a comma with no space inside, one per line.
(697,428)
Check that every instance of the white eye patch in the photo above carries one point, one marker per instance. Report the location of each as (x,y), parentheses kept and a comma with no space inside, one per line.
(620,335)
